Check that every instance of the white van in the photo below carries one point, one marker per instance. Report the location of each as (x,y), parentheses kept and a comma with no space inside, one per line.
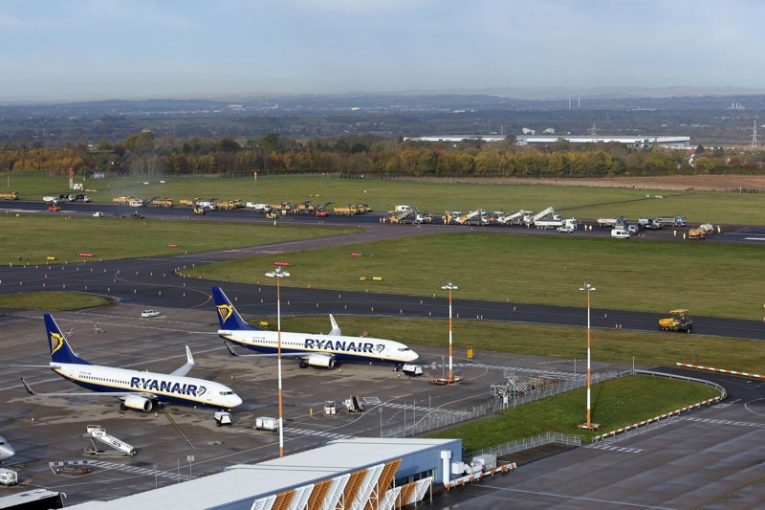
(618,233)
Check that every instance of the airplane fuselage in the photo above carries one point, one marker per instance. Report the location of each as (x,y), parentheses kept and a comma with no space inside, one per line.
(342,348)
(159,387)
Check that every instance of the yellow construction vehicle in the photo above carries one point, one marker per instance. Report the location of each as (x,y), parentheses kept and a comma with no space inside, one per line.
(185,202)
(677,321)
(11,195)
(199,210)
(160,202)
(272,215)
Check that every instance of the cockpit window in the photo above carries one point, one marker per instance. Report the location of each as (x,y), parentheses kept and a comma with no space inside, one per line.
(227,392)
(404,349)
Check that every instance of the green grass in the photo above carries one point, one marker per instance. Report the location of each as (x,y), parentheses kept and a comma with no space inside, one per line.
(567,342)
(615,403)
(709,279)
(51,301)
(33,238)
(582,202)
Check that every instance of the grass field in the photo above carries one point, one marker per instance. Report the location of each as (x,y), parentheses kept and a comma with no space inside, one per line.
(32,238)
(709,279)
(51,301)
(582,202)
(565,342)
(615,403)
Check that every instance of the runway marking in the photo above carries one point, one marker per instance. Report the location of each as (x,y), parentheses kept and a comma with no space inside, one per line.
(726,422)
(754,239)
(569,497)
(307,432)
(551,373)
(611,448)
(135,469)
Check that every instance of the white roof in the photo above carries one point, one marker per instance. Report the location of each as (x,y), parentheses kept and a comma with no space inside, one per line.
(254,480)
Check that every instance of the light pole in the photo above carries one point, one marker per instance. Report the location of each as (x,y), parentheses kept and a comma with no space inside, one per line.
(588,425)
(278,274)
(450,287)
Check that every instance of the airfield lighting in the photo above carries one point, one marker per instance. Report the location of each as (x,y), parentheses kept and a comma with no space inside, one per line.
(588,425)
(450,287)
(278,274)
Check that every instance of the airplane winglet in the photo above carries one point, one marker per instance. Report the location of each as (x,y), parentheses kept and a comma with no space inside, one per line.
(27,387)
(335,327)
(189,357)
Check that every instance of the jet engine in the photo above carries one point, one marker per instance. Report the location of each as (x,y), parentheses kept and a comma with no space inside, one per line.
(319,360)
(138,403)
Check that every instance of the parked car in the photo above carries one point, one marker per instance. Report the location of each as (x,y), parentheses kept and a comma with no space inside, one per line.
(148,314)
(620,234)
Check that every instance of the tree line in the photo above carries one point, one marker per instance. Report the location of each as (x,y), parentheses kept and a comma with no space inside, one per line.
(144,154)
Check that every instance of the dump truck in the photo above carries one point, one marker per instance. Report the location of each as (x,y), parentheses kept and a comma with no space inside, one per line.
(123,200)
(185,202)
(10,195)
(405,217)
(701,232)
(228,205)
(304,208)
(160,202)
(677,321)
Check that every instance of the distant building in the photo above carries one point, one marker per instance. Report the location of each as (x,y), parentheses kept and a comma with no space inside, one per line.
(673,142)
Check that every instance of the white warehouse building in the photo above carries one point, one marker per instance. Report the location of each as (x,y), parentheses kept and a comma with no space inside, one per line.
(672,142)
(344,474)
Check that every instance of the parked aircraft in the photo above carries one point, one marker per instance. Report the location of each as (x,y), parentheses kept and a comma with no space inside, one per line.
(138,390)
(313,349)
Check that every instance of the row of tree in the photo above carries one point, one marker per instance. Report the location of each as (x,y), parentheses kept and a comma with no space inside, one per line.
(143,154)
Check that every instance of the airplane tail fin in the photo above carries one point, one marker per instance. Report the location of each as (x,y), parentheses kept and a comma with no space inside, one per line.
(228,317)
(60,351)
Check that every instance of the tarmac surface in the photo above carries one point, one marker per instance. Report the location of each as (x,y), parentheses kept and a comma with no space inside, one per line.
(178,442)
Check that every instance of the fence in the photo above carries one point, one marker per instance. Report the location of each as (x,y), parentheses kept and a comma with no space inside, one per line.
(527,443)
(440,418)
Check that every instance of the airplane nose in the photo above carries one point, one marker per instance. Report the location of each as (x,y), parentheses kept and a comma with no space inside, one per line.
(236,401)
(414,356)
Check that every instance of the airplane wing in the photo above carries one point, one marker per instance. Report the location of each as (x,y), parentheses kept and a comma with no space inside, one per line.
(88,394)
(268,355)
(183,370)
(335,328)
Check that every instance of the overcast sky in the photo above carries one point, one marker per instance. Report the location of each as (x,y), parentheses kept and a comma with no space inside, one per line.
(76,49)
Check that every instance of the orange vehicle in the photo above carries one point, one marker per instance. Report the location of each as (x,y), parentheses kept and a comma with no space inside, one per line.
(54,208)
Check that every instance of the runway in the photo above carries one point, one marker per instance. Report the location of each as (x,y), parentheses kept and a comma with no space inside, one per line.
(153,282)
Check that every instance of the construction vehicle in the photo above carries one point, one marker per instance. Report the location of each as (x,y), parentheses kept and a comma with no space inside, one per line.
(199,210)
(403,217)
(322,211)
(136,202)
(160,202)
(304,208)
(283,208)
(677,321)
(569,225)
(185,202)
(123,200)
(515,218)
(424,217)
(228,205)
(611,222)
(272,215)
(675,221)
(11,195)
(54,208)
(450,217)
(701,232)
(476,218)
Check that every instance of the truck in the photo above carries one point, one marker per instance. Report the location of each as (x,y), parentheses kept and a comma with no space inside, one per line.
(160,202)
(228,205)
(701,232)
(653,224)
(10,195)
(677,321)
(267,423)
(675,221)
(569,225)
(611,222)
(475,218)
(403,217)
(515,218)
(136,202)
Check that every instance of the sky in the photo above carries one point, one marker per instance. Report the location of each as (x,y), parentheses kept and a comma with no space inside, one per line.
(99,49)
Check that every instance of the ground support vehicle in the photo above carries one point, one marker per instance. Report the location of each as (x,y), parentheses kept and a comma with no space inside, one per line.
(677,321)
(619,233)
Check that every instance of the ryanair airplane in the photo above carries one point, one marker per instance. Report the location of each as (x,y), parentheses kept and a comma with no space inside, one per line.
(138,390)
(316,350)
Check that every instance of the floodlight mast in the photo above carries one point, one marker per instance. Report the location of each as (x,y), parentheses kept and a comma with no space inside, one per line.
(589,289)
(278,274)
(450,287)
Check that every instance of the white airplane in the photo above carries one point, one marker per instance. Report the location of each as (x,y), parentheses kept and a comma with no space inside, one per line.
(6,450)
(315,350)
(138,390)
